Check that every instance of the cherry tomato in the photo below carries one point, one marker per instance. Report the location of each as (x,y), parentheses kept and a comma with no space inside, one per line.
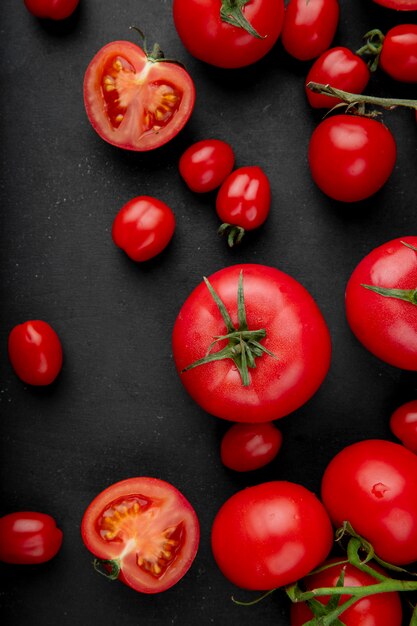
(309,27)
(270,535)
(398,56)
(143,227)
(382,609)
(136,101)
(205,164)
(247,447)
(381,305)
(226,33)
(144,532)
(403,424)
(35,352)
(286,338)
(340,68)
(51,9)
(28,537)
(351,157)
(373,485)
(399,5)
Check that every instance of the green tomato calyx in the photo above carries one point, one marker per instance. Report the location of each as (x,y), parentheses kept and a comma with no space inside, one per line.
(231,12)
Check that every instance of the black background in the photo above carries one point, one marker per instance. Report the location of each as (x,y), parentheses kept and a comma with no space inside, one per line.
(118,408)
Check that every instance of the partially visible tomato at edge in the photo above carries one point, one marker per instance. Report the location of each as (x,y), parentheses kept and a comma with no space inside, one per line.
(309,27)
(403,424)
(51,9)
(398,56)
(28,537)
(398,5)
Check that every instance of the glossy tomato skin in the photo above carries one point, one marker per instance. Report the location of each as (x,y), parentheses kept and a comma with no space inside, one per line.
(399,53)
(208,38)
(309,27)
(206,164)
(382,609)
(351,157)
(247,447)
(134,102)
(51,9)
(373,485)
(143,227)
(35,352)
(296,334)
(270,535)
(148,527)
(340,68)
(403,424)
(244,199)
(399,5)
(28,538)
(387,327)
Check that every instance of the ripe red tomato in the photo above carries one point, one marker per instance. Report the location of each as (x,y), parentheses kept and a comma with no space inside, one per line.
(219,31)
(35,352)
(205,164)
(145,532)
(248,447)
(340,68)
(136,101)
(281,317)
(373,485)
(403,424)
(399,5)
(27,538)
(398,56)
(243,202)
(382,609)
(51,9)
(351,157)
(270,535)
(381,304)
(143,227)
(309,27)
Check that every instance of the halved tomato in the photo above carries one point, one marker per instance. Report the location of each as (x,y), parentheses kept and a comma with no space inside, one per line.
(399,5)
(143,531)
(134,100)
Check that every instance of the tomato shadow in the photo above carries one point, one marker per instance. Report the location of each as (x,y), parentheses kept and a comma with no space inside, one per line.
(61,28)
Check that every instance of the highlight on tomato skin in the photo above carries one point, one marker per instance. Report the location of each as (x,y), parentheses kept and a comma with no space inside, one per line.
(205,164)
(143,531)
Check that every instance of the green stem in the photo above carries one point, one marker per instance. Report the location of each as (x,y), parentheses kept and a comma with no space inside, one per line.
(354,99)
(372,48)
(386,586)
(234,233)
(231,12)
(408,295)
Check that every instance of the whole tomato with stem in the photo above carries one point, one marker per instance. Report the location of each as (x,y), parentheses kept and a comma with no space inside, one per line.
(398,5)
(403,424)
(35,352)
(135,99)
(143,532)
(143,227)
(247,447)
(28,537)
(395,52)
(270,535)
(372,485)
(206,164)
(243,202)
(51,9)
(250,344)
(309,27)
(228,33)
(338,67)
(381,302)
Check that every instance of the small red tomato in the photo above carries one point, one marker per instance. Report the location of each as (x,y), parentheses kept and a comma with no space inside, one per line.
(243,202)
(35,352)
(205,164)
(27,538)
(143,227)
(247,447)
(351,157)
(340,68)
(398,56)
(403,424)
(51,9)
(309,27)
(399,5)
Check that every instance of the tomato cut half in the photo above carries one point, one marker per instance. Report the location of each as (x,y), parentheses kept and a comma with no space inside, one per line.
(145,530)
(136,101)
(398,5)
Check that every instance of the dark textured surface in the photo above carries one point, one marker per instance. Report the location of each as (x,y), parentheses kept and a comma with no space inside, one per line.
(118,408)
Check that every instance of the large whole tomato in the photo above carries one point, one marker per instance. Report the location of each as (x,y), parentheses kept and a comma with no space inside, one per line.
(373,485)
(143,532)
(227,33)
(351,157)
(134,100)
(309,27)
(276,326)
(51,9)
(381,303)
(270,535)
(28,537)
